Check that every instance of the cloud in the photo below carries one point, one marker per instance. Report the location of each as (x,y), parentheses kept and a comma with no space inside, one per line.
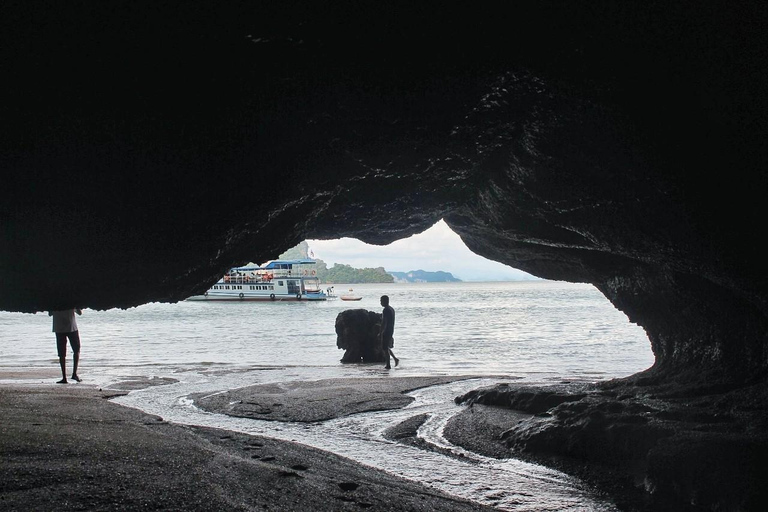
(437,248)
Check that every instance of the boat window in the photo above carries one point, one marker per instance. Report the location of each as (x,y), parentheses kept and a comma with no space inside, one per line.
(279,283)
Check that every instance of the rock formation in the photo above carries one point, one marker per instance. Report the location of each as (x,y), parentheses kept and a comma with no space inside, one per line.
(357,333)
(147,149)
(708,452)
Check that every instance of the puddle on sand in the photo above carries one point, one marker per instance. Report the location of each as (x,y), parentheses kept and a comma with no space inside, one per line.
(508,484)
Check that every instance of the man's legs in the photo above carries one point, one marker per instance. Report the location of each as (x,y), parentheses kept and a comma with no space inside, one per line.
(74,340)
(388,352)
(385,347)
(397,361)
(61,348)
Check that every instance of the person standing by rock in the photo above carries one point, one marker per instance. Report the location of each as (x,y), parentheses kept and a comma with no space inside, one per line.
(387,330)
(65,327)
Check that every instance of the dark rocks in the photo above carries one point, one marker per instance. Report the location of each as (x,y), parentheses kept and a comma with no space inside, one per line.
(357,333)
(310,401)
(709,471)
(532,400)
(406,429)
(708,452)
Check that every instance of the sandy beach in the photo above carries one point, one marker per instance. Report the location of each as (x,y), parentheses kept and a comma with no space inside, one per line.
(71,448)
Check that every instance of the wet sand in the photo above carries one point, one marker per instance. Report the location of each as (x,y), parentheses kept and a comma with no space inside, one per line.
(70,448)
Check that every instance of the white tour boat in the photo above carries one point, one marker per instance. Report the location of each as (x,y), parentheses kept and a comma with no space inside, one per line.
(277,280)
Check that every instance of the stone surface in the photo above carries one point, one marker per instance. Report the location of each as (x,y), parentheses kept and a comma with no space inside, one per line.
(310,401)
(665,451)
(357,333)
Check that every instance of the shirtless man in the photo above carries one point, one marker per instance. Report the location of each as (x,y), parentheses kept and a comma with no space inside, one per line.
(387,329)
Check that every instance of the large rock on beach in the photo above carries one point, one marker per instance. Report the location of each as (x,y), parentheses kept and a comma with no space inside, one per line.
(357,333)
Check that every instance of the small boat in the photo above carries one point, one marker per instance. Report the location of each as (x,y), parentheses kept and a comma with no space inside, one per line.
(276,280)
(350,296)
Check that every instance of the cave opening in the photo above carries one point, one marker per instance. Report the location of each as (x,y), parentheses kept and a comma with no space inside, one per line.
(499,318)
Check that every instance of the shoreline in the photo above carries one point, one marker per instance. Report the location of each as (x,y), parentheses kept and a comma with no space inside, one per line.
(69,448)
(143,456)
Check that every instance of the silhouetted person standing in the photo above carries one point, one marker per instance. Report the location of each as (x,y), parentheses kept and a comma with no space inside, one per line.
(65,326)
(387,330)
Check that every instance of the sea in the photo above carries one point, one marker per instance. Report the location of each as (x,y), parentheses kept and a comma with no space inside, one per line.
(527,332)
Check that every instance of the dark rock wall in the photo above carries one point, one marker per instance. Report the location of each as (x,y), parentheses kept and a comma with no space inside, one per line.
(146,148)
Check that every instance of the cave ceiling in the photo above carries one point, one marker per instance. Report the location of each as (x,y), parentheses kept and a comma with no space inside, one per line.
(147,148)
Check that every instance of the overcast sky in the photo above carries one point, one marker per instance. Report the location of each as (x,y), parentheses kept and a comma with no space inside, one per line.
(437,248)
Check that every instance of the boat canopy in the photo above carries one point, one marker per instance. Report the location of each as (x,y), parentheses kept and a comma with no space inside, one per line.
(286,263)
(275,265)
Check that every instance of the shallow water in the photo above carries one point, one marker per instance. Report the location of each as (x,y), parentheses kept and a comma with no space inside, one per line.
(506,484)
(537,332)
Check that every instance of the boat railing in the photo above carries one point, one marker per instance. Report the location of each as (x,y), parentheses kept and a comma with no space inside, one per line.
(267,276)
(230,279)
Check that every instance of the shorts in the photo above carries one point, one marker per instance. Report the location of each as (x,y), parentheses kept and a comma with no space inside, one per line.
(61,342)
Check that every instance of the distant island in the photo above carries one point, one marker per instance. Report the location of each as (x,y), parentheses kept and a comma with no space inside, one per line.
(340,273)
(422,276)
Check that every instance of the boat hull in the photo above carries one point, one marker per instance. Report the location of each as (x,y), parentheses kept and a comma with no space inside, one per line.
(255,298)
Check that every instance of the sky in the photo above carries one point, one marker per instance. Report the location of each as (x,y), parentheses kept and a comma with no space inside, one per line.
(437,248)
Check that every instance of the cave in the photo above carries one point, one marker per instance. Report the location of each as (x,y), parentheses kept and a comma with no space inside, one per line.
(147,149)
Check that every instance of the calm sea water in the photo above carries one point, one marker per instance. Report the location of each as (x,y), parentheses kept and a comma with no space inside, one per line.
(532,332)
(516,328)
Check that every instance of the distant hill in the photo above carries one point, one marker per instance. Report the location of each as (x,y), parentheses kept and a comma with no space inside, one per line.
(423,276)
(339,273)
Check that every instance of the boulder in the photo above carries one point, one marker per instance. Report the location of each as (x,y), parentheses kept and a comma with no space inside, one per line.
(357,332)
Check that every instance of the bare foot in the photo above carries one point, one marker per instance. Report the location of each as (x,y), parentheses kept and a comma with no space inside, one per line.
(388,367)
(78,379)
(62,381)
(397,361)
